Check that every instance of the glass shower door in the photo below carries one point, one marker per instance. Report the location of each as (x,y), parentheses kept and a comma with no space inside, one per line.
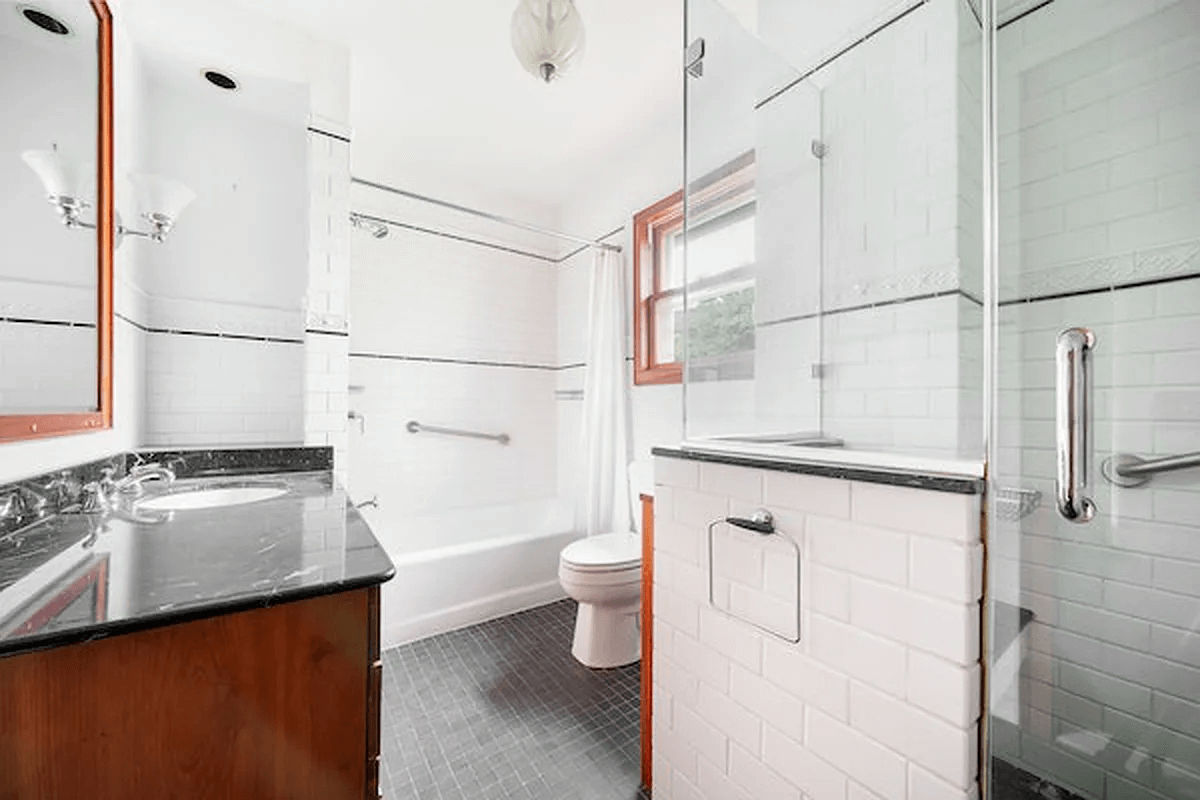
(1094,538)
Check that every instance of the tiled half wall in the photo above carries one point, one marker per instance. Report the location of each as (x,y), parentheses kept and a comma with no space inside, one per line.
(881,696)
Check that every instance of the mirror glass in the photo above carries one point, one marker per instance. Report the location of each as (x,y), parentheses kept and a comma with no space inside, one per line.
(49,342)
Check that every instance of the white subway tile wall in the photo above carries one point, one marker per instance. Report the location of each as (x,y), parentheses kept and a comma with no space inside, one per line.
(205,390)
(879,699)
(30,385)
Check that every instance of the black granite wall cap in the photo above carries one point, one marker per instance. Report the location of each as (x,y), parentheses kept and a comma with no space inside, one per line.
(930,481)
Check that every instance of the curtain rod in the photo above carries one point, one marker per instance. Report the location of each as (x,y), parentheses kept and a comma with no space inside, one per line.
(485,215)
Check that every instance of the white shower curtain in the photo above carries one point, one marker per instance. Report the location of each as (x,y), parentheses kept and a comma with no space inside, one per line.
(603,502)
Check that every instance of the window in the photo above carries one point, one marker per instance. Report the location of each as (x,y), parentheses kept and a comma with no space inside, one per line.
(720,281)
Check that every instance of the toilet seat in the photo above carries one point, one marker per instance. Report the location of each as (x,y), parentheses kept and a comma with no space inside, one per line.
(608,552)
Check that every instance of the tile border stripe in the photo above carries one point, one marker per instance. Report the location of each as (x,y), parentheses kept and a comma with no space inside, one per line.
(1116,287)
(53,323)
(245,337)
(337,136)
(460,361)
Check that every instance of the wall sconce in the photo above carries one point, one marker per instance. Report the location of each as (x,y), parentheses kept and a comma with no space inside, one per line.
(67,184)
(166,196)
(63,182)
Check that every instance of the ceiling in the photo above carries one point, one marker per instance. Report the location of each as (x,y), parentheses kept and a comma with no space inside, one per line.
(439,104)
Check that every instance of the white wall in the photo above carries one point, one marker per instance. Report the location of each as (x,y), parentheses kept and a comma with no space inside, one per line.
(235,265)
(647,173)
(880,697)
(1100,185)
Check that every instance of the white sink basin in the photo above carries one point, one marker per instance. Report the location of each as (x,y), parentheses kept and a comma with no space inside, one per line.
(211,498)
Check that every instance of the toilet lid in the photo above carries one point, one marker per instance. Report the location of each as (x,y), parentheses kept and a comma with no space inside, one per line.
(606,551)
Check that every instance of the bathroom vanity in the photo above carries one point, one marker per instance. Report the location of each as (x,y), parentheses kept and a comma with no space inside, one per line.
(212,650)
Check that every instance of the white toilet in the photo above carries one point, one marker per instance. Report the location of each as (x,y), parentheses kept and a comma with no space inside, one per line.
(604,575)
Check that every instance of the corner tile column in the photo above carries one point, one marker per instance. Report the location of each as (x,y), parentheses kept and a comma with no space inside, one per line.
(327,335)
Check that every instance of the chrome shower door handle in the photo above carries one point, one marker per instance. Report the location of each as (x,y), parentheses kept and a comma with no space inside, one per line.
(1073,357)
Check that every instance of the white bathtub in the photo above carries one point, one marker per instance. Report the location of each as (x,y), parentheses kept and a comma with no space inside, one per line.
(464,566)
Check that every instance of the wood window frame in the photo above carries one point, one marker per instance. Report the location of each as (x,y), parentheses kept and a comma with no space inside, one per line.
(17,427)
(649,227)
(729,186)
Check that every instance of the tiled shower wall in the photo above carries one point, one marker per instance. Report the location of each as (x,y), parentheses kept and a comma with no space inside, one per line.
(880,697)
(901,201)
(1100,180)
(454,334)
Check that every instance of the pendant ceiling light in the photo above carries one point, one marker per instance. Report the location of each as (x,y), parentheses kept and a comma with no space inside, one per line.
(547,35)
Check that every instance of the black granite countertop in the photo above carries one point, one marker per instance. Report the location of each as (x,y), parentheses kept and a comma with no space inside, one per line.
(74,576)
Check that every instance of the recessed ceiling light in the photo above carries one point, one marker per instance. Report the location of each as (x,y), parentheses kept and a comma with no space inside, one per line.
(45,21)
(220,80)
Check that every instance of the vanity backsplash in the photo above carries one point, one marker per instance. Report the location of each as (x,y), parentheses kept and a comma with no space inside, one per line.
(24,502)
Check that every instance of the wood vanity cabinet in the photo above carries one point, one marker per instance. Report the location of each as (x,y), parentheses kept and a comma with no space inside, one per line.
(276,702)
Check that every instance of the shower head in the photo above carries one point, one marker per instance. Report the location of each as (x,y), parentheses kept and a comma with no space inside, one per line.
(377,229)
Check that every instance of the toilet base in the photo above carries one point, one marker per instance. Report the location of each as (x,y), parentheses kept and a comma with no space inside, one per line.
(607,637)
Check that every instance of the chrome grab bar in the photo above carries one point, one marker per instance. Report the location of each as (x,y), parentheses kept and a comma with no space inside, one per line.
(1129,470)
(1072,391)
(415,427)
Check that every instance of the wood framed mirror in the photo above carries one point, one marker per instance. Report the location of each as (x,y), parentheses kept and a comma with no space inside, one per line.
(56,277)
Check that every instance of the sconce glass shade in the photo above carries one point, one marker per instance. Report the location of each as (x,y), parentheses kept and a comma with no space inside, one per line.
(161,199)
(60,177)
(547,36)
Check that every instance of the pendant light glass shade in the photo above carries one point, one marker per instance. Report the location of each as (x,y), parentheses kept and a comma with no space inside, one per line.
(547,35)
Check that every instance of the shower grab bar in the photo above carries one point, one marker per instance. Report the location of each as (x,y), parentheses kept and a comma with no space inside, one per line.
(1128,470)
(1072,409)
(415,427)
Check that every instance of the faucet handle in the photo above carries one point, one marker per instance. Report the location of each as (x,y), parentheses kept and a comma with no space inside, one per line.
(63,488)
(12,506)
(95,498)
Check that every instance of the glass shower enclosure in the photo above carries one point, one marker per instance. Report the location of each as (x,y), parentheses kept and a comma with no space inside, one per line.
(857,322)
(1095,591)
(970,243)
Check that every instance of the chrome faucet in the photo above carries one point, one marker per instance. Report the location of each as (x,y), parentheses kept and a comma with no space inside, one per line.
(133,482)
(102,495)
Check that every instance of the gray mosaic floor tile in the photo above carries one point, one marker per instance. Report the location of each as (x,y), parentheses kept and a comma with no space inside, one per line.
(502,710)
